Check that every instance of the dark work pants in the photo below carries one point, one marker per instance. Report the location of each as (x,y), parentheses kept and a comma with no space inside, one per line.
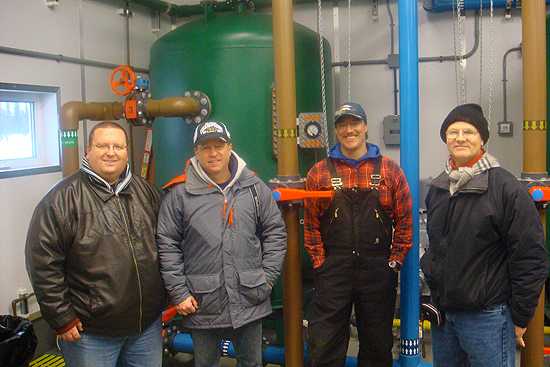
(369,285)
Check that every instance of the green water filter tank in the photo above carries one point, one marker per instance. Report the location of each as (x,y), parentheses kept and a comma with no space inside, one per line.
(230,58)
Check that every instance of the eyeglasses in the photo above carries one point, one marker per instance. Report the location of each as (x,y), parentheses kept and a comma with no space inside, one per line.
(106,147)
(466,133)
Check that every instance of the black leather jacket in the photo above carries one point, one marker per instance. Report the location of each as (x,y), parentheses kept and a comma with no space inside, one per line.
(92,255)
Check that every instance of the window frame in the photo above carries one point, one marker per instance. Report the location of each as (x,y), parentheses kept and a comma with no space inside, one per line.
(39,129)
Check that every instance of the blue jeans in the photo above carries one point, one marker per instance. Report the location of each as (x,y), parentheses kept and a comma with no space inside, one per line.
(475,339)
(144,350)
(247,341)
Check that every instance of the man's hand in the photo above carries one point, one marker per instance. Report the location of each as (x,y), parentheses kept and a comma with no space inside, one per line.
(187,307)
(519,335)
(73,334)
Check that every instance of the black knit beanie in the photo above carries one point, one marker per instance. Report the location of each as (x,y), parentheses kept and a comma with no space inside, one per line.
(470,113)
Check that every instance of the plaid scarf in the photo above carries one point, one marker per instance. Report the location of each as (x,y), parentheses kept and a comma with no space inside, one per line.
(462,175)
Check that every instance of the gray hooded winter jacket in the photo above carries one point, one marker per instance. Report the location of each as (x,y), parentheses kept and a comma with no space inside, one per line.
(211,247)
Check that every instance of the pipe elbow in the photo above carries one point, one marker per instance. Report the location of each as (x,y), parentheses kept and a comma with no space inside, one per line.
(70,115)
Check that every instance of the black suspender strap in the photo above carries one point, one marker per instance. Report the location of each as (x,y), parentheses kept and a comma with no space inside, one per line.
(337,183)
(335,180)
(375,178)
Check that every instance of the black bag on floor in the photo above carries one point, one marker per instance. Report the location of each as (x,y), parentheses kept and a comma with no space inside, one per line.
(17,341)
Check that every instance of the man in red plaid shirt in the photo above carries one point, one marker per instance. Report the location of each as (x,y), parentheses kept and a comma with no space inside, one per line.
(357,242)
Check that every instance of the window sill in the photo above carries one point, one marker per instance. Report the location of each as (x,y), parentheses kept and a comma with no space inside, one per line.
(29,171)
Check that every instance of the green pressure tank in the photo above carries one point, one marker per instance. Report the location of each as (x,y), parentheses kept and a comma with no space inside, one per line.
(229,57)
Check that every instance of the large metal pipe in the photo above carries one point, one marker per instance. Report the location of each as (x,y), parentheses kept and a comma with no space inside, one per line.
(534,87)
(183,11)
(410,157)
(448,5)
(534,141)
(287,170)
(173,107)
(73,112)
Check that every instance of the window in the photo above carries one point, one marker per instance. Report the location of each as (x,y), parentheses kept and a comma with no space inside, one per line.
(29,127)
(16,130)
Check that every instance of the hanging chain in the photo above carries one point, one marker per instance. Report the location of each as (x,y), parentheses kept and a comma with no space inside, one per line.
(455,52)
(322,62)
(459,41)
(481,52)
(461,19)
(491,63)
(349,50)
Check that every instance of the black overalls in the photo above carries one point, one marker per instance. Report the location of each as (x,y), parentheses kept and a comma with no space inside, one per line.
(357,237)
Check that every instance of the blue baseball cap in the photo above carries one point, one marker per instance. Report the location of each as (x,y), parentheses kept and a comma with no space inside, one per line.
(350,109)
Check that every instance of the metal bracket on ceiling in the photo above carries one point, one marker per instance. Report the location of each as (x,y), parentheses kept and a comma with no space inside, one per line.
(508,10)
(374,10)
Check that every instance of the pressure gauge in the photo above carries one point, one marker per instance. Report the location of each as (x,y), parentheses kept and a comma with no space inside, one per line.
(312,129)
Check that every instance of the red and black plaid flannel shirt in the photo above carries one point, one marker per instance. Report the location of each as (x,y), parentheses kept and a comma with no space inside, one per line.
(395,200)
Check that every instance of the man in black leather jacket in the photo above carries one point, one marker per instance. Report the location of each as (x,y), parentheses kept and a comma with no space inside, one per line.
(92,259)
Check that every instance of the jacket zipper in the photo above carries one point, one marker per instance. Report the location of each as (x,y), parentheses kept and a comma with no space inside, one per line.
(135,263)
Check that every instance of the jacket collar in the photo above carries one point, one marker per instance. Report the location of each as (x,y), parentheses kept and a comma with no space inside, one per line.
(373,151)
(101,187)
(478,184)
(198,182)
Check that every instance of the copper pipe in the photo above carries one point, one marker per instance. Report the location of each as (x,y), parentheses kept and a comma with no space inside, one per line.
(533,14)
(533,353)
(287,166)
(173,107)
(285,85)
(292,292)
(71,114)
(534,86)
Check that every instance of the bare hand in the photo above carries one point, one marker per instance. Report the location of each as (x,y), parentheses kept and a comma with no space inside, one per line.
(187,307)
(73,334)
(519,335)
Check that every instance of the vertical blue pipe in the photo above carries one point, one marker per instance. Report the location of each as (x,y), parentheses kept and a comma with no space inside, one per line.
(408,80)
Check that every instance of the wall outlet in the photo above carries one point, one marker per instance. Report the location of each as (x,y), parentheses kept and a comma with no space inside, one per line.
(505,128)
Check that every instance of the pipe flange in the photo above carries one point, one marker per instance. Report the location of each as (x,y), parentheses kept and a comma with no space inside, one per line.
(141,99)
(205,109)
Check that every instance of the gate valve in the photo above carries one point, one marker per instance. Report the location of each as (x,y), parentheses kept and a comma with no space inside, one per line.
(123,80)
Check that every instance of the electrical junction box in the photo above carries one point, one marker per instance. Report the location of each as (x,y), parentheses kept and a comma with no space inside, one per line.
(505,128)
(392,130)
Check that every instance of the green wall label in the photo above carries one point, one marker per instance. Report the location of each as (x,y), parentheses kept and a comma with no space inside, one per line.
(69,138)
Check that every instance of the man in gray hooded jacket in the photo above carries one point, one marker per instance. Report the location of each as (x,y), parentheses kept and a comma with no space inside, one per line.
(222,243)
